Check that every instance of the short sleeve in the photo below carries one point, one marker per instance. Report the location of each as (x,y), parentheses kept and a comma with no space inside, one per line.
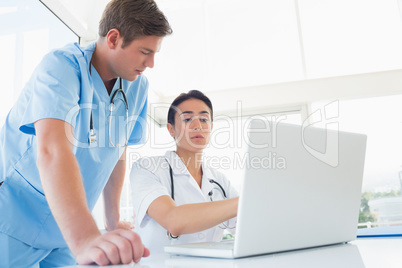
(52,91)
(138,135)
(146,187)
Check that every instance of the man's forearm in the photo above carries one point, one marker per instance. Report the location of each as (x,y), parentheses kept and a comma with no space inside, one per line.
(66,197)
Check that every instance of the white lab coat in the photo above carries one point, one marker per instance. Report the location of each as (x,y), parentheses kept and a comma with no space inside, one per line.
(150,179)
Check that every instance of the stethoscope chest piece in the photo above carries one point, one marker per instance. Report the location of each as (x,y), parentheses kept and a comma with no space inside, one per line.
(92,137)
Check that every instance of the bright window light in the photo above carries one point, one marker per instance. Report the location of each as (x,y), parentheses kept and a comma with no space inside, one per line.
(349,37)
(32,31)
(380,118)
(224,44)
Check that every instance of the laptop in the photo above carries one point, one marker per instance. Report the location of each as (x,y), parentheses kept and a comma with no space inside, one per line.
(301,189)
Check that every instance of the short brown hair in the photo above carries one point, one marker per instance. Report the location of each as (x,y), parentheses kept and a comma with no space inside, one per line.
(134,19)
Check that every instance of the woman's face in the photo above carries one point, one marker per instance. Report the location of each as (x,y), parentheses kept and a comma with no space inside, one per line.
(192,125)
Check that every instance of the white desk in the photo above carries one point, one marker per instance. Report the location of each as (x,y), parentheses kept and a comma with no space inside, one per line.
(365,252)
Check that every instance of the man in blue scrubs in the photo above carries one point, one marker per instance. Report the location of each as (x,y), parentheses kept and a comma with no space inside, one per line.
(62,145)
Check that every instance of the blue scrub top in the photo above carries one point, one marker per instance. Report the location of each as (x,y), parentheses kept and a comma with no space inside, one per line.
(62,87)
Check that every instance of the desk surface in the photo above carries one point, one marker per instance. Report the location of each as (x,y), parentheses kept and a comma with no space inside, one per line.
(364,252)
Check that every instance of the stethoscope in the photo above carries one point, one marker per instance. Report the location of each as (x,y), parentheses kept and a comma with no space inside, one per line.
(209,194)
(169,235)
(92,134)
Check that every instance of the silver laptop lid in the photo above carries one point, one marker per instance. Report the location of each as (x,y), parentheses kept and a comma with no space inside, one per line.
(301,188)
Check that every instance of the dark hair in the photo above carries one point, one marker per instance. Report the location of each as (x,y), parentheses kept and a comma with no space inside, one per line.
(192,94)
(134,19)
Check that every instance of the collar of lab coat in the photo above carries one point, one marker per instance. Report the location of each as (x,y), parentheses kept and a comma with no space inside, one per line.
(179,168)
(177,165)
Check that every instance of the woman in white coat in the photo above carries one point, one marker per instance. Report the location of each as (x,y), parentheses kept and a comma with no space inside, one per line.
(177,198)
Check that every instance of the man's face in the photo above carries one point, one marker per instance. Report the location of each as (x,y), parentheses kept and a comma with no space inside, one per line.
(132,60)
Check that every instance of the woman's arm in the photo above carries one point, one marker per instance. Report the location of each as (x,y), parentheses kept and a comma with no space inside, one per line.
(191,218)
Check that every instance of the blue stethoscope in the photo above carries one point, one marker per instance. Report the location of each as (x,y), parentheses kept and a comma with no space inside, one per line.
(92,134)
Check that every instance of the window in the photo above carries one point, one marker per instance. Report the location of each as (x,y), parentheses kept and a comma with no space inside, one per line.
(239,44)
(30,31)
(380,118)
(350,37)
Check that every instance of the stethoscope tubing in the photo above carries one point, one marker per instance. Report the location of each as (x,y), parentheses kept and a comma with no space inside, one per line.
(169,235)
(92,136)
(172,184)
